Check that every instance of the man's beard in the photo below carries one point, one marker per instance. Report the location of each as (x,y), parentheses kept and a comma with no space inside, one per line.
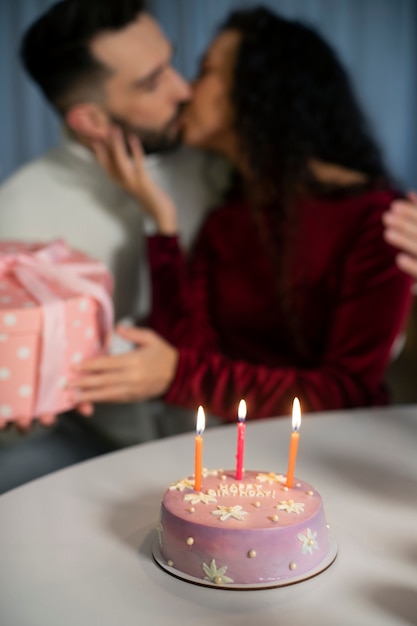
(152,141)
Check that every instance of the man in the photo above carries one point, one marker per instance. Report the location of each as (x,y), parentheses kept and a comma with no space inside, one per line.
(103,65)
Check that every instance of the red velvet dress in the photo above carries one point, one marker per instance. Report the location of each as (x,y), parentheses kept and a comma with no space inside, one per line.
(316,321)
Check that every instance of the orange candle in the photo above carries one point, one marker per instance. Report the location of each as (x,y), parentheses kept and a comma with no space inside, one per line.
(198,459)
(295,435)
(241,427)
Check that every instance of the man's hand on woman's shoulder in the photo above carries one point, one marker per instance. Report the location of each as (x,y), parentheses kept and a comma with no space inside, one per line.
(401,231)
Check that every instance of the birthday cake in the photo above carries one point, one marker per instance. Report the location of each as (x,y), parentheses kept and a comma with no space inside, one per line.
(250,532)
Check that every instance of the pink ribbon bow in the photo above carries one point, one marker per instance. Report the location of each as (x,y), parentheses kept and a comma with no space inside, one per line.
(50,263)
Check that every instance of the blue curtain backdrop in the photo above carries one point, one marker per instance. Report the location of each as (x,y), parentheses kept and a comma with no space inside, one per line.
(377,40)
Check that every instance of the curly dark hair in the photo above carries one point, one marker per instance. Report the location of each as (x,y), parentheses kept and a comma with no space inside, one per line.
(294,102)
(55,48)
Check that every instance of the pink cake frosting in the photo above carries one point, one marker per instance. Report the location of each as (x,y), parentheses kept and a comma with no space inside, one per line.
(247,532)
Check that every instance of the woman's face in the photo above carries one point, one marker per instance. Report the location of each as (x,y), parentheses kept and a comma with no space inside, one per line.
(208,118)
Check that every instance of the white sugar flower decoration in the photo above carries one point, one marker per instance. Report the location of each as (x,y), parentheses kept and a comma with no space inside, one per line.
(206,472)
(290,506)
(224,512)
(272,478)
(216,575)
(199,496)
(185,483)
(309,541)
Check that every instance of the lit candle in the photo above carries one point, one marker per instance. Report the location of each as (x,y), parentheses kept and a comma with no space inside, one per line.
(241,427)
(295,435)
(198,462)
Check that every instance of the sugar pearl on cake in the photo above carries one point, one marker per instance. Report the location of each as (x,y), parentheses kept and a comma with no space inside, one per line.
(252,554)
(257,504)
(190,541)
(292,565)
(191,509)
(274,518)
(218,580)
(310,542)
(310,493)
(285,488)
(170,563)
(224,476)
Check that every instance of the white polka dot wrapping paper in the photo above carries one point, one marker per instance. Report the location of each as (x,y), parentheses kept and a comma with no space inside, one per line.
(55,311)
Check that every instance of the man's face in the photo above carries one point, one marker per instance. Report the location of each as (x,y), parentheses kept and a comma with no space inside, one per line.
(143,93)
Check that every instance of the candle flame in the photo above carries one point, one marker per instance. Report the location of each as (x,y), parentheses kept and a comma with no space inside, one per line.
(241,412)
(296,415)
(201,421)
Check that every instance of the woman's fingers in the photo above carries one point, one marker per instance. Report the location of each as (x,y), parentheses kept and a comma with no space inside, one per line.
(86,409)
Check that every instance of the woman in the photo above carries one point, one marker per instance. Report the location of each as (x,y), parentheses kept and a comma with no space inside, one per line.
(290,287)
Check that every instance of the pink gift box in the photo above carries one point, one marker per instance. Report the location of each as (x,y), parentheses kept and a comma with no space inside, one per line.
(55,311)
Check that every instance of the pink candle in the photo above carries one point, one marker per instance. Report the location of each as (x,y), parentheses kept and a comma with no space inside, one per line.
(241,427)
(295,435)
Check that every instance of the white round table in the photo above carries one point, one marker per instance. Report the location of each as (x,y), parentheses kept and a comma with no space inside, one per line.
(75,546)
